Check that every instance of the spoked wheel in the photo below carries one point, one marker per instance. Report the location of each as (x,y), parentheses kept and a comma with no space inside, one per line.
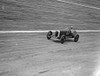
(49,34)
(63,38)
(76,38)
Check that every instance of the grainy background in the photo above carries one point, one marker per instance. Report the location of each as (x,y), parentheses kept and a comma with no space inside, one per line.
(48,14)
(31,54)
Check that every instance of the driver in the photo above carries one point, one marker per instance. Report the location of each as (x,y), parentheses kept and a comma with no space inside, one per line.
(69,29)
(72,29)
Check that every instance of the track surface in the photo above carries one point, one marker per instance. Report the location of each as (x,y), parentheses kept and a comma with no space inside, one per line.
(78,4)
(49,14)
(33,55)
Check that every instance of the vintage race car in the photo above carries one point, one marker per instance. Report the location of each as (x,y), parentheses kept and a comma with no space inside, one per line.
(63,35)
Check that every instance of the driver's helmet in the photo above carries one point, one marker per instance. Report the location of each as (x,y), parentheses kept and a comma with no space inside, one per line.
(71,27)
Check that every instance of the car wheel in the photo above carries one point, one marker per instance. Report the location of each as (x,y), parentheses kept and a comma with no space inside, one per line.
(49,34)
(63,39)
(76,38)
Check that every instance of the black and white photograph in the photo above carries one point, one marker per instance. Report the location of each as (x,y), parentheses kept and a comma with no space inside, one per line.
(49,37)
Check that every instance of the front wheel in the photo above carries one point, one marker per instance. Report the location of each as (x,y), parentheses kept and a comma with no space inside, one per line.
(76,38)
(63,39)
(49,35)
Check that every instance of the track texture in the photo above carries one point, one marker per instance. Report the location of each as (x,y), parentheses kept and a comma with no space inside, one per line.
(33,55)
(49,14)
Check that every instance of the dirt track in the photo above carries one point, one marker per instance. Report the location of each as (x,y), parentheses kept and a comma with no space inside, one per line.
(49,14)
(34,55)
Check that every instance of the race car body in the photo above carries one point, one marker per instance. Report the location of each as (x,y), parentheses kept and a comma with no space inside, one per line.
(62,35)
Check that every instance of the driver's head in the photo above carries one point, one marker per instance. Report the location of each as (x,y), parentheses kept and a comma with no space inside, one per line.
(71,27)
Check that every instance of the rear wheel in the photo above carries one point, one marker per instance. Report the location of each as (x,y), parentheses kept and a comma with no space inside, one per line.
(49,34)
(76,38)
(63,38)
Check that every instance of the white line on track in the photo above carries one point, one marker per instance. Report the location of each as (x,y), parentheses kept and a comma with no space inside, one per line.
(43,31)
(79,4)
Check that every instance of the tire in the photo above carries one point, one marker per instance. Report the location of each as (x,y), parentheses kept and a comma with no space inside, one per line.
(76,38)
(49,34)
(62,39)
